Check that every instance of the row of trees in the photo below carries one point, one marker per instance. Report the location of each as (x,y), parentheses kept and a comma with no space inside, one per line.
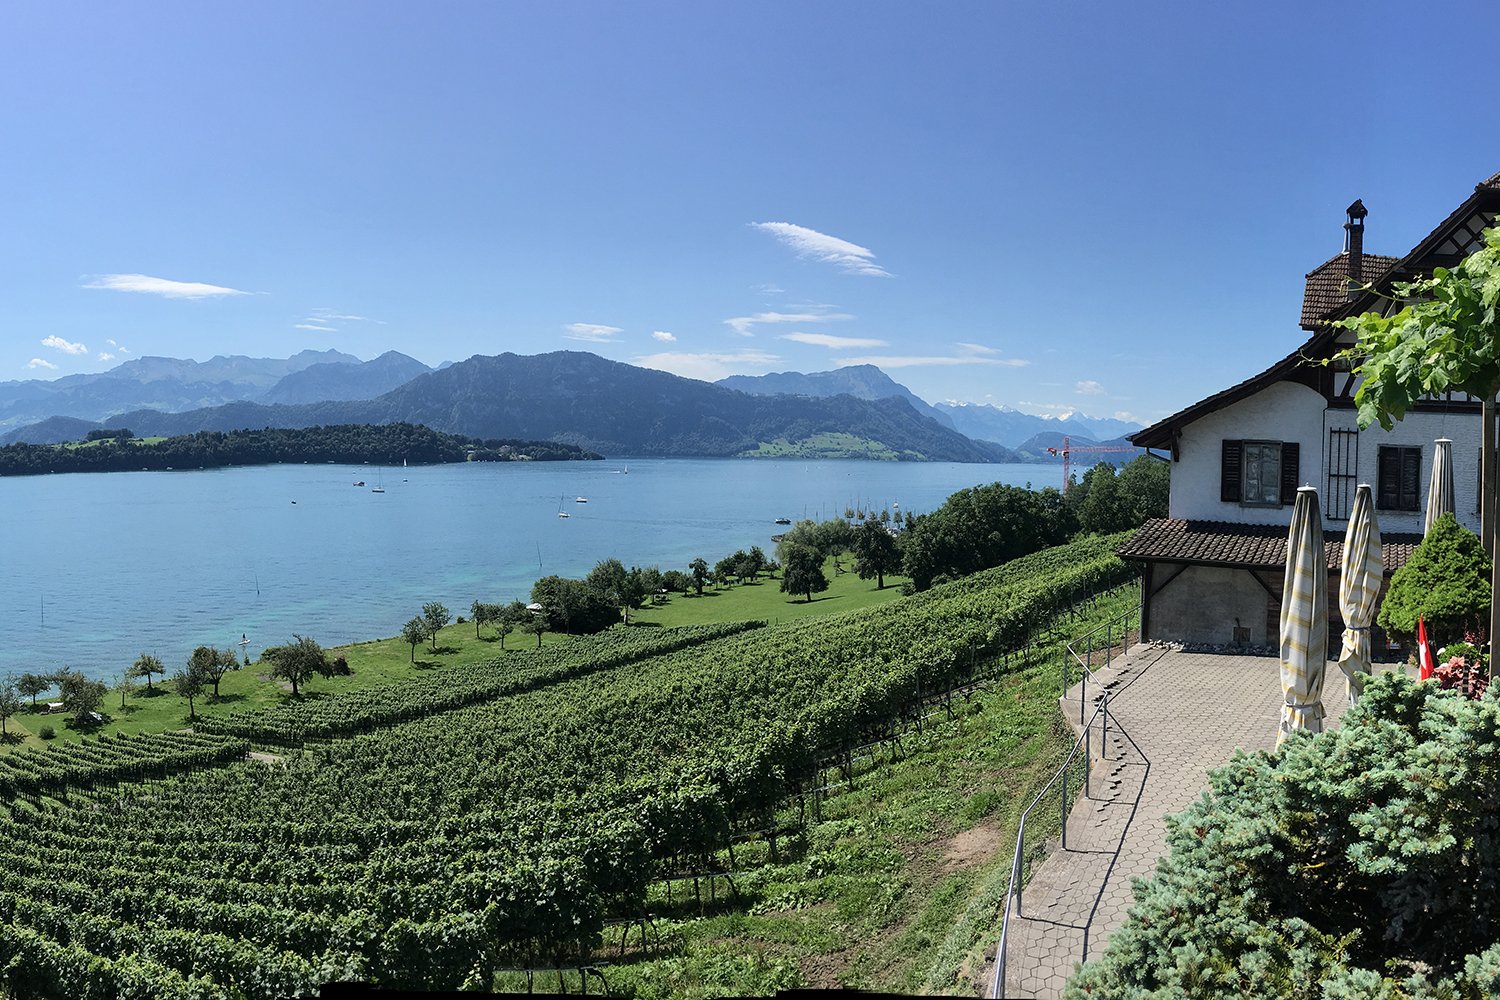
(355,444)
(985,526)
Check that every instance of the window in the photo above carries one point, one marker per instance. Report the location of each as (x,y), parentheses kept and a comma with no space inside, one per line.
(1400,478)
(1343,473)
(1259,473)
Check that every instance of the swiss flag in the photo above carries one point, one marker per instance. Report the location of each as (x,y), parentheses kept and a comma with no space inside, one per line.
(1424,652)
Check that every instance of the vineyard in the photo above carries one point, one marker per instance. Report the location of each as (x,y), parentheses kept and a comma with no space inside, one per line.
(504,829)
(119,758)
(454,687)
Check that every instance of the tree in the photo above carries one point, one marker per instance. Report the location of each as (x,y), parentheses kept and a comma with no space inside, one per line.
(10,702)
(875,552)
(213,663)
(536,625)
(296,662)
(725,570)
(699,571)
(480,612)
(617,587)
(80,695)
(414,632)
(145,665)
(126,687)
(981,527)
(1445,582)
(652,581)
(1444,339)
(802,571)
(30,685)
(190,684)
(572,606)
(436,616)
(1146,484)
(511,617)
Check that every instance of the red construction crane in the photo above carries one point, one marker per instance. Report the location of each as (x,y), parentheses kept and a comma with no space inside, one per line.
(1067,450)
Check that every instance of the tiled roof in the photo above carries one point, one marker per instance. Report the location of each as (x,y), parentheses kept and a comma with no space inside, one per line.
(1328,284)
(1252,546)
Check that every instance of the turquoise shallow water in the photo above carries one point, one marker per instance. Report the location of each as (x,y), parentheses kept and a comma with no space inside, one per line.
(98,568)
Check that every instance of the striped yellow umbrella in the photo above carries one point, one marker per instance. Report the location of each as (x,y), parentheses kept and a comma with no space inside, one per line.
(1304,619)
(1440,487)
(1360,574)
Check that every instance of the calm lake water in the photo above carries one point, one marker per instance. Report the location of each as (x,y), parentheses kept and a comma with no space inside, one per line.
(101,567)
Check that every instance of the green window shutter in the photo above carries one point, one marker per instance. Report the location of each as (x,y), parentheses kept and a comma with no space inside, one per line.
(1290,454)
(1229,472)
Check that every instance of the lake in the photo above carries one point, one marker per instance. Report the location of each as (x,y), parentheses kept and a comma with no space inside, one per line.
(99,568)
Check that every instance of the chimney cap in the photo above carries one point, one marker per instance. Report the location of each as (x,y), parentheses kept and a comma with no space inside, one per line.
(1357,211)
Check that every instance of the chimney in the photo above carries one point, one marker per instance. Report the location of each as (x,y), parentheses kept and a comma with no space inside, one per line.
(1354,246)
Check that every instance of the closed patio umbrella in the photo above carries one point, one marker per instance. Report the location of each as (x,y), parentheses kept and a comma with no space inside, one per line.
(1304,619)
(1360,575)
(1440,488)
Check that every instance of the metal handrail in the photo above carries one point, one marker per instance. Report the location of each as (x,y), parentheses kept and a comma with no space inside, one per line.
(1088,671)
(1013,890)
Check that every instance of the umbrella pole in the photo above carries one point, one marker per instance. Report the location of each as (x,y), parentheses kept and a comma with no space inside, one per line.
(1487,472)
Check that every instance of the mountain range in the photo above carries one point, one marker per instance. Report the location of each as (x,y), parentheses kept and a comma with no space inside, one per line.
(173,385)
(565,396)
(980,421)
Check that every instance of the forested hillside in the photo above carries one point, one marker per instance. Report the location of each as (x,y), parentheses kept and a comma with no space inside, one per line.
(351,444)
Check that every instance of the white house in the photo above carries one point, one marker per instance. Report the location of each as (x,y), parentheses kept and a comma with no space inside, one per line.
(1212,569)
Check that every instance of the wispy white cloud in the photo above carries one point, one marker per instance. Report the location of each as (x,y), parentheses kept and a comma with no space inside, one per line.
(329,316)
(830,341)
(106,356)
(117,346)
(663,336)
(849,257)
(593,333)
(66,346)
(1127,415)
(1089,387)
(165,287)
(931,361)
(770,289)
(743,325)
(41,363)
(709,367)
(976,349)
(323,320)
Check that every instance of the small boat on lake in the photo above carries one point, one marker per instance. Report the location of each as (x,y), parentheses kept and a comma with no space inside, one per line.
(782,520)
(580,499)
(560,511)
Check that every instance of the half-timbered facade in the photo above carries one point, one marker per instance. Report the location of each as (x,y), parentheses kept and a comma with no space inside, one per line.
(1212,568)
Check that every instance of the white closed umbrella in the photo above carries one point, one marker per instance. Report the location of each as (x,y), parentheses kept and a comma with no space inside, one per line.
(1440,487)
(1360,574)
(1304,619)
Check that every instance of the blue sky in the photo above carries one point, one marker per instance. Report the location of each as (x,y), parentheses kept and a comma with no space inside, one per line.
(1050,205)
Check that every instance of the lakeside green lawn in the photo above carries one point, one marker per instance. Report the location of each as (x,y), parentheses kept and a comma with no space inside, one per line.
(381,661)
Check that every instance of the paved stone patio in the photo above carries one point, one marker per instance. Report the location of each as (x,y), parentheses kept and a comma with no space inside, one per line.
(1174,717)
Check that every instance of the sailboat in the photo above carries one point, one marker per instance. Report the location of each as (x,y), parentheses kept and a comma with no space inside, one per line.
(560,511)
(379,486)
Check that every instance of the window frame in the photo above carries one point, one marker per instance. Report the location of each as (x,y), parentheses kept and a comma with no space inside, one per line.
(1402,504)
(1261,448)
